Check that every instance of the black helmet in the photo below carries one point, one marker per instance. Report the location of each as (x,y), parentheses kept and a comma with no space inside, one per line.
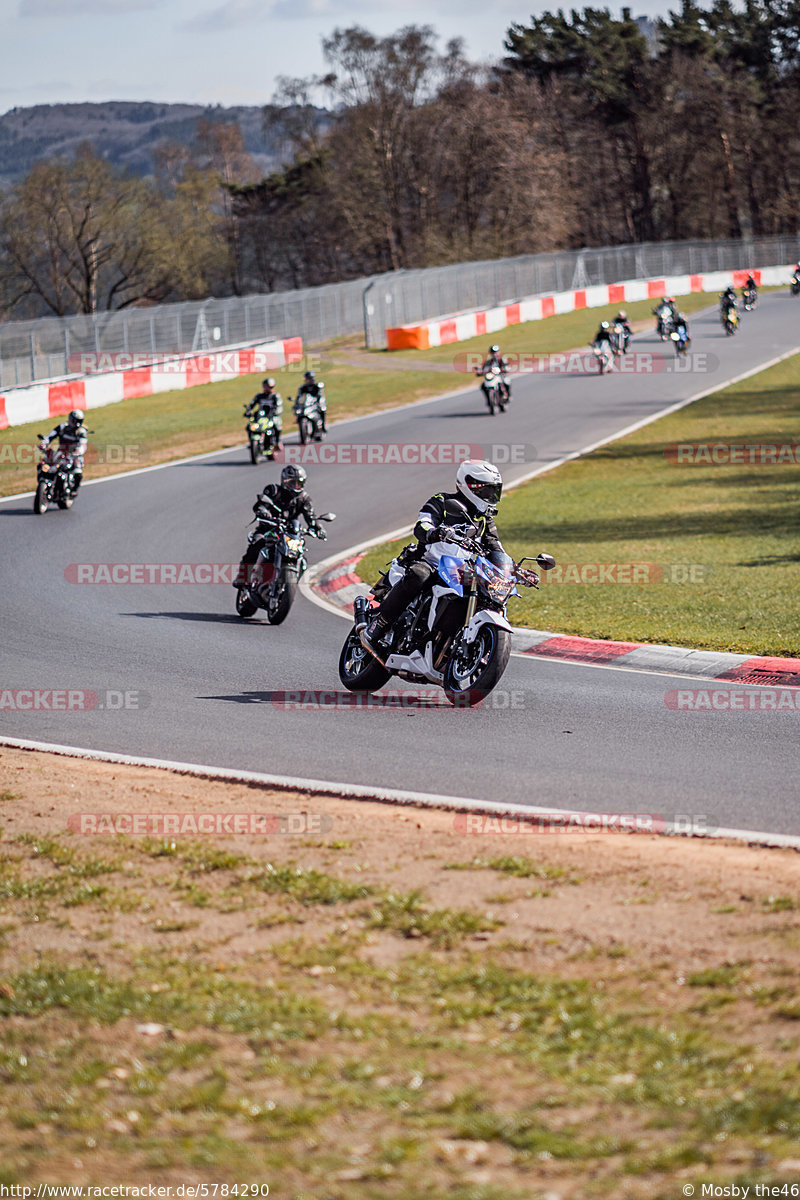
(494,349)
(293,478)
(268,384)
(75,417)
(310,377)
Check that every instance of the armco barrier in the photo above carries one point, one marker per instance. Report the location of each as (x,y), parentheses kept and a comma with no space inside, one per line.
(457,327)
(41,401)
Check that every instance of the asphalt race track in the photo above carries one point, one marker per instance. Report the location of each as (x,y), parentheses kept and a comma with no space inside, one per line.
(556,734)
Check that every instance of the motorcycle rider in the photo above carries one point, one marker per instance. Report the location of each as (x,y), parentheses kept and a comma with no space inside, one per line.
(72,439)
(727,300)
(270,403)
(287,499)
(479,486)
(316,389)
(605,336)
(681,327)
(495,362)
(621,319)
(664,314)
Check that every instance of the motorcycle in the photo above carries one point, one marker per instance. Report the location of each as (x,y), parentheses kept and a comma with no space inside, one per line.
(262,435)
(496,389)
(681,339)
(749,298)
(663,315)
(604,356)
(455,634)
(622,338)
(278,569)
(55,477)
(730,320)
(309,413)
(795,285)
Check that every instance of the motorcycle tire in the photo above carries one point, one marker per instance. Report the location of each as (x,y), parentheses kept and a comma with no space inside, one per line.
(493,645)
(278,608)
(358,670)
(40,498)
(491,402)
(303,427)
(244,605)
(253,451)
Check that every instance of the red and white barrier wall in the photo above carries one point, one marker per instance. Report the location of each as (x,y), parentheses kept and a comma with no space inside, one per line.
(458,326)
(132,377)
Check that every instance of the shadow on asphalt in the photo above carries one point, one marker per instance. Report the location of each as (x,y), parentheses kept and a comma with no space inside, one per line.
(308,699)
(219,618)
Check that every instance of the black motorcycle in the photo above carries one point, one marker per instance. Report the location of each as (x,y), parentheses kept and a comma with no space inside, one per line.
(749,298)
(795,285)
(279,567)
(309,412)
(55,477)
(262,435)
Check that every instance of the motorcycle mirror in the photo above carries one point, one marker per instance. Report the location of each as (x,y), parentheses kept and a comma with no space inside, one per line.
(327,517)
(545,561)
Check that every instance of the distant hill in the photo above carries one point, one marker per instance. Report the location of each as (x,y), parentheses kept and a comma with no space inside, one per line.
(125,132)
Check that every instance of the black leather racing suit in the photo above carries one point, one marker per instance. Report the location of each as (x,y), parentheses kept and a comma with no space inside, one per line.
(275,500)
(444,509)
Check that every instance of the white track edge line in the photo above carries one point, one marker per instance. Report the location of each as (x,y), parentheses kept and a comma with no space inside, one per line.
(390,795)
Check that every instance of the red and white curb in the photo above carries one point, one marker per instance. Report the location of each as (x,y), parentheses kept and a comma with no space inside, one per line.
(339,584)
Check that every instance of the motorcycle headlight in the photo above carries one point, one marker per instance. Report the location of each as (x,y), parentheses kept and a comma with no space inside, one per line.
(294,544)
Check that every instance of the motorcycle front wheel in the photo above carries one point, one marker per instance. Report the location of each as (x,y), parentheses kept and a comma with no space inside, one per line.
(244,605)
(475,668)
(303,425)
(358,670)
(279,605)
(40,499)
(253,451)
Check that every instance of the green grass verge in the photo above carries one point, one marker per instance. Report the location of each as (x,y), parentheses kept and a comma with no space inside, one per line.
(723,540)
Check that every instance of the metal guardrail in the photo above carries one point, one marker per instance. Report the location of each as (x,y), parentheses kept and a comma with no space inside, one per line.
(51,346)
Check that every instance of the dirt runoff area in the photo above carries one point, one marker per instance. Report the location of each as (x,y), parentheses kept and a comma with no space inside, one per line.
(205,982)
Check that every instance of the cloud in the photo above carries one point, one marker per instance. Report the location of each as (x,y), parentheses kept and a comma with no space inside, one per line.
(104,8)
(233,14)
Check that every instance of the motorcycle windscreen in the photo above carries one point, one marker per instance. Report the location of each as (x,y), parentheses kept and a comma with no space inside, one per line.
(498,580)
(450,570)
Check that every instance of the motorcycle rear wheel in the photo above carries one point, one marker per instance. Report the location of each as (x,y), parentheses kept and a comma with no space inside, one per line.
(358,670)
(474,671)
(40,499)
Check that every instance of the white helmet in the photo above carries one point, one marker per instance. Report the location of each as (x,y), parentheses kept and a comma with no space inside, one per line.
(480,483)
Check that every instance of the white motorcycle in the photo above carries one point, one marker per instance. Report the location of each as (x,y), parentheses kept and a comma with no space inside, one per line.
(455,634)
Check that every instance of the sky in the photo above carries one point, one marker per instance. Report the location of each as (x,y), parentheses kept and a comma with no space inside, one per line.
(216,51)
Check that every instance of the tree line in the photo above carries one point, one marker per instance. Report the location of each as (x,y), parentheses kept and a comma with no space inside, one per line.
(591,131)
